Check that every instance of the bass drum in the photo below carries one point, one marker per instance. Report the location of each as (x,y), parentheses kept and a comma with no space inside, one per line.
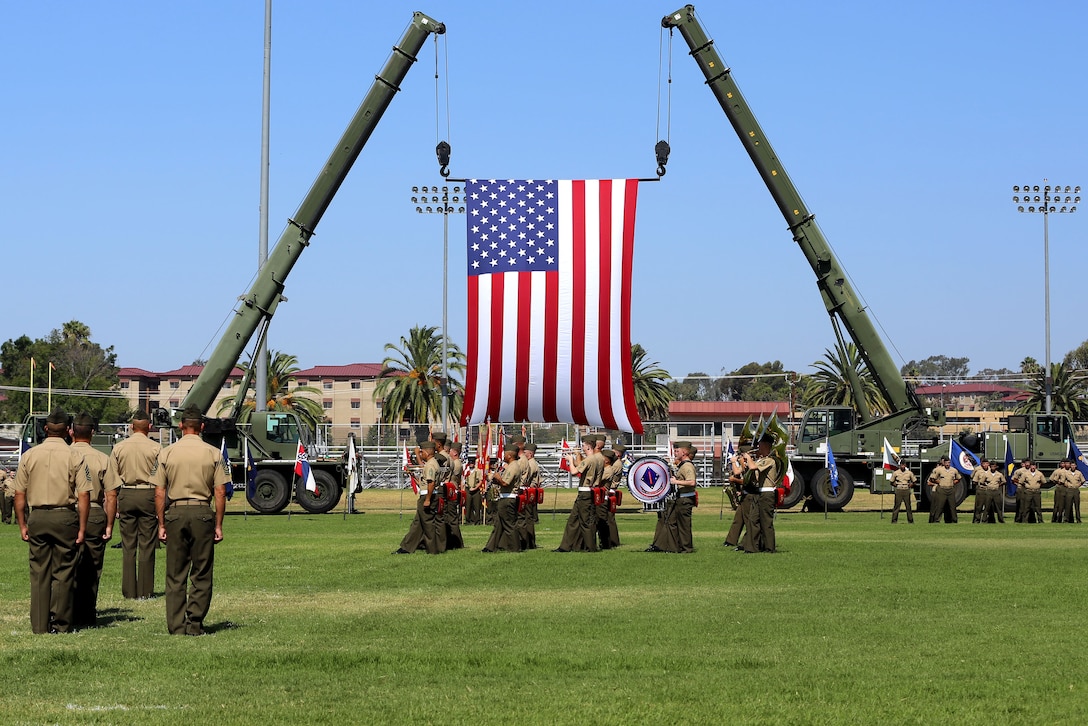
(649,479)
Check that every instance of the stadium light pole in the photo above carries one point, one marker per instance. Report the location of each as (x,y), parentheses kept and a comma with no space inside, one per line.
(444,200)
(1046,199)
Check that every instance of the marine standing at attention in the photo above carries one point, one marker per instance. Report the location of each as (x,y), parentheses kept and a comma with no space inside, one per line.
(51,480)
(903,480)
(128,485)
(189,475)
(943,482)
(99,525)
(679,521)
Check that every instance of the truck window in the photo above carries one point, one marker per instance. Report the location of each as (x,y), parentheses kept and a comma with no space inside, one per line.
(282,428)
(815,426)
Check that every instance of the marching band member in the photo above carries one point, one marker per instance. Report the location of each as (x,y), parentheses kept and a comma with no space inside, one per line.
(503,536)
(580,533)
(760,524)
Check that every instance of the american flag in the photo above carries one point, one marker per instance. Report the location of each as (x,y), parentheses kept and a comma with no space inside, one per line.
(549,292)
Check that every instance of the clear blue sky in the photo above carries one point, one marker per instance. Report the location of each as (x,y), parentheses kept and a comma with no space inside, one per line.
(131,146)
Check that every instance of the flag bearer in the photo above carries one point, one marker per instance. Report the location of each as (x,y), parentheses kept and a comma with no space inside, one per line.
(903,480)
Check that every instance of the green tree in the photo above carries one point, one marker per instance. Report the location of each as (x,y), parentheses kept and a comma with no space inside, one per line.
(411,383)
(652,394)
(282,368)
(696,386)
(1030,366)
(1068,392)
(84,375)
(830,385)
(1077,359)
(755,382)
(936,367)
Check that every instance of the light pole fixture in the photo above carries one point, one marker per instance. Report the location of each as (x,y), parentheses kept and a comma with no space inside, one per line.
(444,200)
(1046,200)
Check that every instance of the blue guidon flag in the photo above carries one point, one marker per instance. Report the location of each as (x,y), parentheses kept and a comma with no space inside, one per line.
(549,300)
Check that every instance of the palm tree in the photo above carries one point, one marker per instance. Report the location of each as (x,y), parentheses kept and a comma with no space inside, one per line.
(1067,392)
(411,383)
(830,385)
(280,397)
(652,395)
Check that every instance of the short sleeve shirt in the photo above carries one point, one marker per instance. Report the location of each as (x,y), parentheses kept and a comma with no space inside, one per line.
(51,475)
(191,469)
(95,464)
(133,461)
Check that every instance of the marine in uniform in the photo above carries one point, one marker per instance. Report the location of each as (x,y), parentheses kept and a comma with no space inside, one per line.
(530,484)
(475,484)
(760,525)
(99,525)
(503,533)
(52,481)
(1076,481)
(1059,478)
(1031,481)
(7,495)
(615,495)
(580,533)
(421,532)
(1021,493)
(452,512)
(128,484)
(441,529)
(189,475)
(740,481)
(679,519)
(902,479)
(995,489)
(943,481)
(604,509)
(980,478)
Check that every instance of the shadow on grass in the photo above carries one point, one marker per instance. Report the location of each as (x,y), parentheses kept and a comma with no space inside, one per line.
(218,627)
(111,616)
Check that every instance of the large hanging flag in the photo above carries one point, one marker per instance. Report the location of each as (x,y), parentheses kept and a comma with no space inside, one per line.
(549,299)
(1078,458)
(302,469)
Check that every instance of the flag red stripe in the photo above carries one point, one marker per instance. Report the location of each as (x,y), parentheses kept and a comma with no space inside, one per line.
(578,304)
(604,306)
(521,367)
(471,357)
(551,343)
(494,391)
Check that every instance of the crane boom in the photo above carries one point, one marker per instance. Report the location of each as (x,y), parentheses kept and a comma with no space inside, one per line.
(266,292)
(838,294)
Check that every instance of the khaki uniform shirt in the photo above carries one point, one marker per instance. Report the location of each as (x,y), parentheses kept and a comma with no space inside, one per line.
(590,470)
(95,464)
(431,475)
(996,480)
(133,461)
(7,483)
(511,476)
(902,478)
(531,478)
(944,478)
(191,469)
(1033,480)
(686,472)
(766,472)
(1076,479)
(980,478)
(52,475)
(457,470)
(472,479)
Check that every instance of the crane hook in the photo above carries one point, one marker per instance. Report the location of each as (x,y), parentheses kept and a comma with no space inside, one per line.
(661,149)
(443,152)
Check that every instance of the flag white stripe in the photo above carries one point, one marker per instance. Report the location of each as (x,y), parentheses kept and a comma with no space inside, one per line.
(566,295)
(535,332)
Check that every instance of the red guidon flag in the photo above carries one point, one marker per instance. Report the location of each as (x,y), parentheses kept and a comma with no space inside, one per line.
(549,299)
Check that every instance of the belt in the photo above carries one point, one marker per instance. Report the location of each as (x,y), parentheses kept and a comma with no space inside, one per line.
(762,489)
(585,489)
(688,495)
(189,503)
(507,496)
(138,486)
(70,507)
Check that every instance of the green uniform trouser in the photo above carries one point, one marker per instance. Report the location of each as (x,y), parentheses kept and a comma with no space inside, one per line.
(679,524)
(1030,510)
(526,526)
(760,536)
(53,554)
(944,502)
(503,534)
(995,506)
(902,499)
(580,533)
(7,505)
(475,513)
(663,539)
(421,530)
(732,538)
(451,522)
(139,539)
(89,570)
(604,538)
(1057,514)
(190,559)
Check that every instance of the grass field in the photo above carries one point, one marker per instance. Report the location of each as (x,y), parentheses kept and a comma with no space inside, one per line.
(313,621)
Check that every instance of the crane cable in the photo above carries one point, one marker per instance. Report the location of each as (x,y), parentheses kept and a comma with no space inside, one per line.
(661,148)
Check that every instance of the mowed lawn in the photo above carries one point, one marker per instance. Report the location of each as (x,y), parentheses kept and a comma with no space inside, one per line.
(314,621)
